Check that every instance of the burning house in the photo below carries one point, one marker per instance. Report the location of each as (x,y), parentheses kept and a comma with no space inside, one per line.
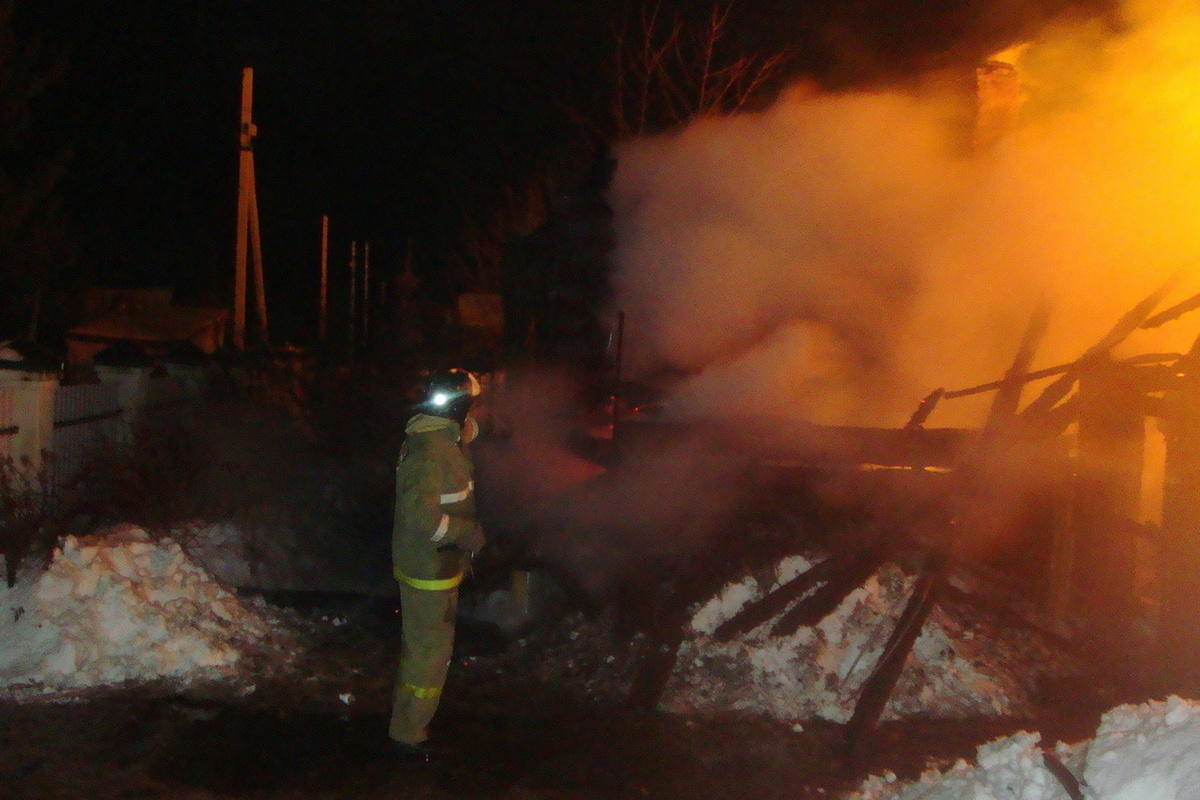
(816,272)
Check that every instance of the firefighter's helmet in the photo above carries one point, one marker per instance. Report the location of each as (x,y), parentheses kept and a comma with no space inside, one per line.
(449,393)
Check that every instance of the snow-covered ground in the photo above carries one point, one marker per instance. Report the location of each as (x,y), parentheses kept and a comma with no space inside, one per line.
(956,669)
(122,606)
(1140,752)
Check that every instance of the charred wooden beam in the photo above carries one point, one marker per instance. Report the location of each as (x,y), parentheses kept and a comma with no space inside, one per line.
(847,576)
(925,408)
(1056,421)
(1008,396)
(1174,312)
(1003,423)
(1126,325)
(999,428)
(848,445)
(698,579)
(1054,765)
(878,688)
(1068,374)
(754,614)
(1049,372)
(1028,377)
(1132,320)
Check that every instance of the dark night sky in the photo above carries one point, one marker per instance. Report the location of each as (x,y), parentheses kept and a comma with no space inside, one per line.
(382,114)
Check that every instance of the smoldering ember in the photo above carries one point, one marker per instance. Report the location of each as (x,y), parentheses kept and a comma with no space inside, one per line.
(834,416)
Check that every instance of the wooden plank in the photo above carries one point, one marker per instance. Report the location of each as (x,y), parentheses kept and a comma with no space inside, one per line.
(823,601)
(878,688)
(1174,312)
(924,409)
(754,614)
(999,427)
(1008,396)
(1049,372)
(1126,325)
(698,579)
(848,445)
(1054,765)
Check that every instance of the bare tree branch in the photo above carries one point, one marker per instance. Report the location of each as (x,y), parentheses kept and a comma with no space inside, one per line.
(679,70)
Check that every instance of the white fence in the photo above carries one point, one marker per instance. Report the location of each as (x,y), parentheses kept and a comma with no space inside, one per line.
(84,417)
(39,416)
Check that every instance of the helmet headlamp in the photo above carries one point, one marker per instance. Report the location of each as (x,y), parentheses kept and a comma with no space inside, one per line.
(448,394)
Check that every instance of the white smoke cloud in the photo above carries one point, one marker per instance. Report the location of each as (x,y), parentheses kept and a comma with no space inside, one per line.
(838,256)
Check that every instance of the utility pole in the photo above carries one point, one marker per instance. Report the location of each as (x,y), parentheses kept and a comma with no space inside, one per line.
(260,289)
(616,398)
(323,321)
(353,293)
(248,236)
(366,325)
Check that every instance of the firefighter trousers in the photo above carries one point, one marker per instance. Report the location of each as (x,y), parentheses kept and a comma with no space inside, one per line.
(426,646)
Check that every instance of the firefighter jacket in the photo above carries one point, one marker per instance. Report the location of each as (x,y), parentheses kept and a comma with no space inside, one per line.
(435,521)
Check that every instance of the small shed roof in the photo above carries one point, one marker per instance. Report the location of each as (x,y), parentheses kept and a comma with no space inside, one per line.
(151,324)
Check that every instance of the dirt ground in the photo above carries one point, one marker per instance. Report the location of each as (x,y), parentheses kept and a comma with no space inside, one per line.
(518,721)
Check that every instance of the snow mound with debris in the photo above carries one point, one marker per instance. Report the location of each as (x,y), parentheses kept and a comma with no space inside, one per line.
(1012,768)
(953,671)
(122,606)
(1140,752)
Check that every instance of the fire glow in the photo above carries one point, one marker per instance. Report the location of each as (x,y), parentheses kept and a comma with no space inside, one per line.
(837,256)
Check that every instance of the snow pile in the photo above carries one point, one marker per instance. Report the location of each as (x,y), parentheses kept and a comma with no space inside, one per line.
(120,606)
(954,671)
(1143,752)
(1012,768)
(1147,752)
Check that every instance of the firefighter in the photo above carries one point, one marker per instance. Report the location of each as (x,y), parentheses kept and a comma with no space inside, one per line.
(434,536)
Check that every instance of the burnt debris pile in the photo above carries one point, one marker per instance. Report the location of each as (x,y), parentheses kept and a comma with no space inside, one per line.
(854,574)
